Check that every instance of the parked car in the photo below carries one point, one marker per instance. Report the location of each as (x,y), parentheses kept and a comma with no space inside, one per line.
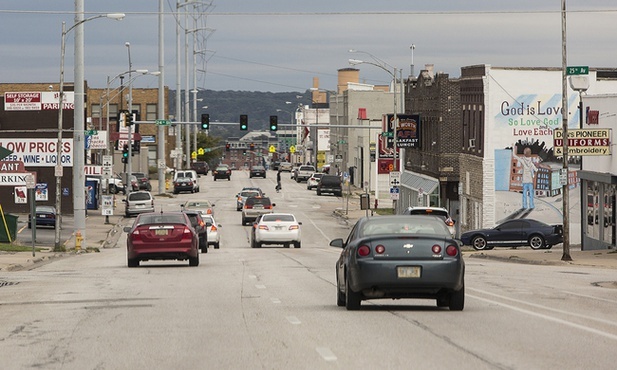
(132,182)
(304,173)
(245,193)
(205,207)
(285,166)
(515,233)
(255,207)
(214,236)
(330,184)
(140,201)
(433,211)
(276,228)
(143,181)
(44,216)
(257,171)
(191,174)
(199,225)
(115,185)
(275,165)
(313,181)
(400,257)
(200,167)
(221,172)
(183,184)
(162,236)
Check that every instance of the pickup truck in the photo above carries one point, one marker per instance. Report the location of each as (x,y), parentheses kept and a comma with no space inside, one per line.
(304,173)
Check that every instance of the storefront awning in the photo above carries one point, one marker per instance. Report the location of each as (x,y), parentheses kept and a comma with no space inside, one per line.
(418,182)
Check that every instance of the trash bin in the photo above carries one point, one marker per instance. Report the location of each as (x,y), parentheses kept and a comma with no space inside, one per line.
(9,222)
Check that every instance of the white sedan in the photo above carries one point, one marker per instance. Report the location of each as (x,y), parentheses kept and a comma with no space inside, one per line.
(276,228)
(313,181)
(214,237)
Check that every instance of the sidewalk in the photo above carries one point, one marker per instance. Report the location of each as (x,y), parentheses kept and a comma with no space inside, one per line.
(99,235)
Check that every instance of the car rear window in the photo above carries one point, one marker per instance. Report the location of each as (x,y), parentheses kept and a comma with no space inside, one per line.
(247,194)
(271,218)
(431,212)
(252,201)
(161,219)
(330,180)
(140,196)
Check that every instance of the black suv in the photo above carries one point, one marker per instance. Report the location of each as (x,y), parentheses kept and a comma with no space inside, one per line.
(330,184)
(199,225)
(200,167)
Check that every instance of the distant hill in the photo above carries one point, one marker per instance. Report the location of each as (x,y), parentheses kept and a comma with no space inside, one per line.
(227,106)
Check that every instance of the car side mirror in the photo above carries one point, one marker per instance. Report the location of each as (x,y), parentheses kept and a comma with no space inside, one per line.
(299,223)
(273,204)
(126,229)
(337,243)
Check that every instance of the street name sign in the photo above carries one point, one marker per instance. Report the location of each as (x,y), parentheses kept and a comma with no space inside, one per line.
(577,70)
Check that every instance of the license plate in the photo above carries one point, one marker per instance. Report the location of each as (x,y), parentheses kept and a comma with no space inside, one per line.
(140,205)
(162,232)
(408,271)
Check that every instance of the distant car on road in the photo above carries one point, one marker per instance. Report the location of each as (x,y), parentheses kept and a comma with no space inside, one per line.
(515,233)
(45,216)
(392,257)
(199,225)
(200,167)
(433,211)
(313,181)
(140,201)
(246,193)
(330,184)
(257,171)
(276,228)
(162,236)
(183,184)
(255,207)
(221,172)
(214,236)
(205,207)
(285,166)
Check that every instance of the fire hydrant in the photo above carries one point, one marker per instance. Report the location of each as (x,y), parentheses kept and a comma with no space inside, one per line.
(78,240)
(167,184)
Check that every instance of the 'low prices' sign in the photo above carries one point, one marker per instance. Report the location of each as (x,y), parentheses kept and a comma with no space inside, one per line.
(38,152)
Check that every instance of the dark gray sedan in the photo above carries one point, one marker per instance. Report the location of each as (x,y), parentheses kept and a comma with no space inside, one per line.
(400,257)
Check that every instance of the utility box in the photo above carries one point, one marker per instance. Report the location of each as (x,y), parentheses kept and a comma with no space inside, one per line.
(365,201)
(8,227)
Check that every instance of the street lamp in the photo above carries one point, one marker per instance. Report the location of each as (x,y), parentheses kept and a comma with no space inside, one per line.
(78,135)
(393,74)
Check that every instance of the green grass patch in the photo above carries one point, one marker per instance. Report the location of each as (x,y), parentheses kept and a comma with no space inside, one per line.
(4,247)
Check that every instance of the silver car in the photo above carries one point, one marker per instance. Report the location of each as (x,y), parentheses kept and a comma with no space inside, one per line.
(255,207)
(138,202)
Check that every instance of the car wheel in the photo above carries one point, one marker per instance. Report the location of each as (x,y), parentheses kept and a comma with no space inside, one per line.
(297,244)
(339,194)
(133,262)
(229,179)
(536,242)
(318,192)
(352,299)
(214,178)
(478,243)
(176,192)
(442,301)
(286,245)
(340,296)
(258,245)
(194,261)
(29,225)
(217,245)
(457,300)
(243,221)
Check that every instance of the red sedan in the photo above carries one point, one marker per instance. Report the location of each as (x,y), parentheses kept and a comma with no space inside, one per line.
(162,236)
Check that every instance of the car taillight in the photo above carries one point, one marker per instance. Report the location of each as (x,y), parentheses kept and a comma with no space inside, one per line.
(246,206)
(268,207)
(209,211)
(135,235)
(201,223)
(380,249)
(294,227)
(263,227)
(436,249)
(364,251)
(451,250)
(187,233)
(213,228)
(190,183)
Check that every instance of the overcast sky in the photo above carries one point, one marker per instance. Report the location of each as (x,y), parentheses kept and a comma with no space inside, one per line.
(280,45)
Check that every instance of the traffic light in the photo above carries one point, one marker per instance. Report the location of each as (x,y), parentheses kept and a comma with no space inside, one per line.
(227,147)
(128,119)
(252,146)
(274,123)
(244,122)
(243,151)
(125,153)
(205,121)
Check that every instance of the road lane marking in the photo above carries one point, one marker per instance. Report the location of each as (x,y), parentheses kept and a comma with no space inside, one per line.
(549,318)
(260,286)
(252,276)
(326,353)
(294,320)
(591,297)
(275,300)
